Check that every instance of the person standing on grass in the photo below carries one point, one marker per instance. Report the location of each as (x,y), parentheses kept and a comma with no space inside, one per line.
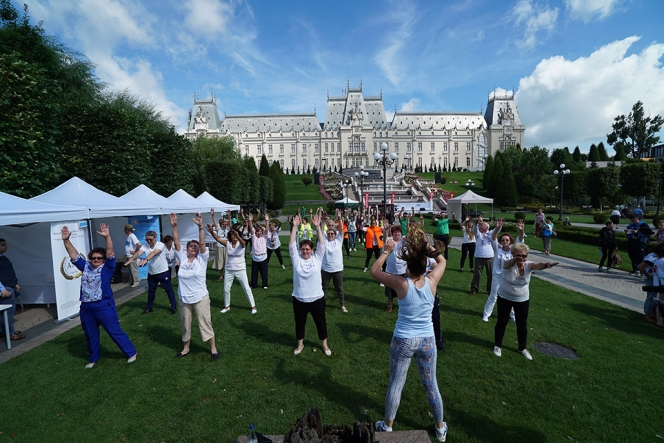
(468,244)
(413,333)
(483,255)
(352,232)
(308,295)
(394,264)
(332,266)
(192,289)
(637,239)
(659,235)
(97,303)
(246,233)
(236,267)
(514,293)
(547,235)
(442,230)
(539,220)
(273,241)
(218,249)
(169,251)
(158,270)
(615,216)
(607,245)
(359,225)
(9,287)
(132,245)
(258,253)
(373,241)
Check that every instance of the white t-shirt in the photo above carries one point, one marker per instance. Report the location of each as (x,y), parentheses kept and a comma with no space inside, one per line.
(515,287)
(394,264)
(223,234)
(466,237)
(191,276)
(273,241)
(651,258)
(131,244)
(170,256)
(483,248)
(158,263)
(501,256)
(333,259)
(235,260)
(307,281)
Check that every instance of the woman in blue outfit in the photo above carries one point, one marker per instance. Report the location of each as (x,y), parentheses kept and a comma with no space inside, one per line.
(97,304)
(413,333)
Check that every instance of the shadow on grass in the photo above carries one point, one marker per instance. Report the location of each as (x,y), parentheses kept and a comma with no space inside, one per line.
(356,333)
(623,320)
(264,334)
(480,428)
(460,337)
(461,311)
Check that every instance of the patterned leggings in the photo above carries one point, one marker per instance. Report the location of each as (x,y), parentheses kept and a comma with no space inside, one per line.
(402,351)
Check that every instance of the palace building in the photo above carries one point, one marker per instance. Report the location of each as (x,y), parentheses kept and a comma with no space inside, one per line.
(356,125)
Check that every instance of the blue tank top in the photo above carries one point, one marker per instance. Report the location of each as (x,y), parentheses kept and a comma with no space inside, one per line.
(415,312)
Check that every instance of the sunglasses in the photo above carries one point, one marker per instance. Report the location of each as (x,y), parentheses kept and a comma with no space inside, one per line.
(332,233)
(521,256)
(96,258)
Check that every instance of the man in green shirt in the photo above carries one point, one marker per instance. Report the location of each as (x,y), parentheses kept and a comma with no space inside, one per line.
(442,229)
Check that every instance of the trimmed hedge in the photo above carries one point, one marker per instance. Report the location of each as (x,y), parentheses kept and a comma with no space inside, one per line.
(519,216)
(600,218)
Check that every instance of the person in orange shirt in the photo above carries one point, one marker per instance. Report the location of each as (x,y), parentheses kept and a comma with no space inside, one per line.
(346,244)
(373,241)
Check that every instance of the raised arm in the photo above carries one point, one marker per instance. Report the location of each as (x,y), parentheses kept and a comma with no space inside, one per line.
(497,229)
(520,225)
(105,232)
(198,219)
(176,235)
(316,219)
(214,235)
(251,224)
(71,250)
(296,224)
(340,224)
(214,220)
(396,282)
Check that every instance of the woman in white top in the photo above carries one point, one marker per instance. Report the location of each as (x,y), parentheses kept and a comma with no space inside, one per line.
(308,296)
(236,267)
(502,248)
(514,293)
(273,242)
(332,267)
(192,290)
(258,254)
(170,255)
(468,244)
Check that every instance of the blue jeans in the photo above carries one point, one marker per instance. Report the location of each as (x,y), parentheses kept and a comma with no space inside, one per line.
(11,300)
(352,237)
(104,314)
(651,298)
(163,279)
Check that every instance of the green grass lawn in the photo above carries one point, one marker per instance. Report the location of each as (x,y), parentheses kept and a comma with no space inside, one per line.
(610,393)
(297,191)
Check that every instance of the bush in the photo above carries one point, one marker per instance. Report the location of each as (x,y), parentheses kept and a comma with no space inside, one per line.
(443,179)
(307,181)
(656,218)
(600,218)
(519,216)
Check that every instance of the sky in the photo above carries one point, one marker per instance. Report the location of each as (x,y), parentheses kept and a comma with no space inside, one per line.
(573,64)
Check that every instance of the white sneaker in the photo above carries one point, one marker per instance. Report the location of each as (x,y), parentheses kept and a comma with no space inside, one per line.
(225,310)
(365,269)
(343,308)
(485,318)
(283,267)
(441,434)
(382,427)
(382,285)
(497,351)
(135,285)
(89,366)
(254,311)
(526,354)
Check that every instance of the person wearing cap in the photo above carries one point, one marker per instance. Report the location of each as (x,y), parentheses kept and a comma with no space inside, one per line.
(132,245)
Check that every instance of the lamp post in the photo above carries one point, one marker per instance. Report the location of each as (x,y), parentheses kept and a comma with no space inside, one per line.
(361,176)
(562,171)
(346,184)
(386,160)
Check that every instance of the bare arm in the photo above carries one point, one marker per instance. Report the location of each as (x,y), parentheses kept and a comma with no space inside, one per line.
(497,229)
(540,266)
(105,232)
(296,224)
(396,282)
(214,235)
(176,235)
(71,250)
(319,230)
(520,225)
(198,219)
(214,220)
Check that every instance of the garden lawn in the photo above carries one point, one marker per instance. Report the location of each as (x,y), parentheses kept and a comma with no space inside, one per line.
(610,393)
(297,191)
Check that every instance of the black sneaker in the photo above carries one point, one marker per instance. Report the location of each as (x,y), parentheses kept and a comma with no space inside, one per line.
(440,345)
(173,311)
(147,311)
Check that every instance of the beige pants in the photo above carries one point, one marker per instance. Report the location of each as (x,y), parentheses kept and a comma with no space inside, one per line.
(220,257)
(202,310)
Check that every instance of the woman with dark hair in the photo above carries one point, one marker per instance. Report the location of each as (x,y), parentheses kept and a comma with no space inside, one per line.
(468,243)
(514,293)
(374,241)
(258,254)
(273,241)
(413,333)
(394,264)
(192,289)
(97,303)
(169,251)
(332,265)
(308,295)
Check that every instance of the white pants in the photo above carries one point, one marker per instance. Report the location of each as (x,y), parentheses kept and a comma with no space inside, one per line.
(241,276)
(496,280)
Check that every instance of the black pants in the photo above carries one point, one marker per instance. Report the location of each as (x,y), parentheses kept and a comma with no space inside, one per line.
(347,247)
(521,317)
(445,238)
(338,281)
(256,267)
(360,235)
(277,252)
(607,251)
(317,309)
(376,252)
(468,249)
(636,251)
(435,318)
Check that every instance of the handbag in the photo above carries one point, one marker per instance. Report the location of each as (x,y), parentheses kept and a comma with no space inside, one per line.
(617,260)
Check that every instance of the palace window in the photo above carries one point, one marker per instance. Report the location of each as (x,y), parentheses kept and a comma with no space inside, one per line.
(260,150)
(292,148)
(407,147)
(433,146)
(456,147)
(269,149)
(246,149)
(281,151)
(419,147)
(326,148)
(396,146)
(445,146)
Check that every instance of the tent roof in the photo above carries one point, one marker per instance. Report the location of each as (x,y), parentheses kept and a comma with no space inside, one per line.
(100,204)
(15,210)
(208,201)
(143,195)
(180,197)
(347,201)
(470,197)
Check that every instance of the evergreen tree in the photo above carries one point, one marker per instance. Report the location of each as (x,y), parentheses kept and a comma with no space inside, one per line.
(506,193)
(495,177)
(278,187)
(488,170)
(264,170)
(593,153)
(251,181)
(577,155)
(603,156)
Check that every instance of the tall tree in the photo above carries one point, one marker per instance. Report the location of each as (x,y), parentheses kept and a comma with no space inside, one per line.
(278,187)
(593,153)
(488,170)
(210,149)
(252,183)
(601,183)
(496,175)
(603,156)
(640,179)
(635,133)
(264,170)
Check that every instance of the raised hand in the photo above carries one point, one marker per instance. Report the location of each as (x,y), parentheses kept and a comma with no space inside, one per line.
(65,233)
(389,244)
(173,218)
(316,220)
(104,230)
(520,225)
(296,221)
(251,217)
(210,228)
(267,217)
(212,213)
(499,223)
(198,219)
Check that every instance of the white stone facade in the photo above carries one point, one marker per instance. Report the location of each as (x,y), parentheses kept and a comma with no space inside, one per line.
(354,128)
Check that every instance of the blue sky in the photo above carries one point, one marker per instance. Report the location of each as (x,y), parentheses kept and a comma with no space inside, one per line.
(574,64)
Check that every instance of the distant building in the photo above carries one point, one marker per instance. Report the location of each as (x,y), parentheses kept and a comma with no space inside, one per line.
(654,152)
(356,125)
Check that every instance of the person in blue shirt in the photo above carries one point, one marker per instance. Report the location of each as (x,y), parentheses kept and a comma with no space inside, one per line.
(414,333)
(637,239)
(97,303)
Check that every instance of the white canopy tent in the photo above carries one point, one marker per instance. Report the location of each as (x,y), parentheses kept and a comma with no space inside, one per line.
(186,226)
(456,204)
(19,211)
(146,196)
(208,201)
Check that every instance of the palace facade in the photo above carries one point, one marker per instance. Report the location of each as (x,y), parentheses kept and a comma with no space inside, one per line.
(356,125)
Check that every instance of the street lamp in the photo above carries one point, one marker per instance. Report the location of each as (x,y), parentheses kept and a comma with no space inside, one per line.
(361,176)
(385,160)
(562,171)
(346,184)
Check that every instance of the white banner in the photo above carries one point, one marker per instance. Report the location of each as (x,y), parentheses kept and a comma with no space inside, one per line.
(66,276)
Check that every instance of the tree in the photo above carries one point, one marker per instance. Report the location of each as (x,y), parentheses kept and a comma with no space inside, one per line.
(264,170)
(602,182)
(506,193)
(603,156)
(635,133)
(278,187)
(226,180)
(494,179)
(640,179)
(593,153)
(488,170)
(252,183)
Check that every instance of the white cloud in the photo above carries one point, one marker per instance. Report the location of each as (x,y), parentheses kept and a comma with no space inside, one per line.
(575,101)
(535,18)
(588,10)
(391,59)
(207,18)
(411,105)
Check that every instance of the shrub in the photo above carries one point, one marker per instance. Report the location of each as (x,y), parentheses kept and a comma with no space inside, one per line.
(306,180)
(656,218)
(443,179)
(330,207)
(519,215)
(600,218)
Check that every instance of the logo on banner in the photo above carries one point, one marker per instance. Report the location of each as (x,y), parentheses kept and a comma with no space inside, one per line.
(68,270)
